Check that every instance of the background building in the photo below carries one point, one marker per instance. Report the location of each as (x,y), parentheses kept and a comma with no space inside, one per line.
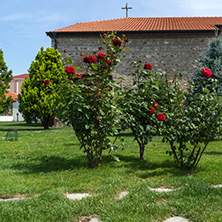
(171,44)
(12,114)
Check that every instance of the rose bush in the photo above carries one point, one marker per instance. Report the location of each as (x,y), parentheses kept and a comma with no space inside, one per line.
(139,106)
(192,121)
(89,102)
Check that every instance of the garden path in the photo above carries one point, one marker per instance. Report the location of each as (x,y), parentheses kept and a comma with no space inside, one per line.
(79,196)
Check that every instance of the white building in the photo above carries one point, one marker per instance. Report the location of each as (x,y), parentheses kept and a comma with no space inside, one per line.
(12,114)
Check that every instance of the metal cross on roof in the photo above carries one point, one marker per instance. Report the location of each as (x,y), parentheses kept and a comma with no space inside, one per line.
(127,8)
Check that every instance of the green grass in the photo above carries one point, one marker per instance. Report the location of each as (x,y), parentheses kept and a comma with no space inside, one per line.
(45,165)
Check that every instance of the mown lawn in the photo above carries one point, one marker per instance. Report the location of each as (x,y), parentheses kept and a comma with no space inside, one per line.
(45,165)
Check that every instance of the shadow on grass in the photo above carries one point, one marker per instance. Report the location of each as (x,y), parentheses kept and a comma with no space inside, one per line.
(50,164)
(147,168)
(213,153)
(130,164)
(24,127)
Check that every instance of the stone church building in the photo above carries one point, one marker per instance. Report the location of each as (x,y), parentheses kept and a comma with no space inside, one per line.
(171,44)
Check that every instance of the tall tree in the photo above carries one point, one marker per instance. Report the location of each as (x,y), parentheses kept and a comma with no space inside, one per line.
(5,78)
(37,92)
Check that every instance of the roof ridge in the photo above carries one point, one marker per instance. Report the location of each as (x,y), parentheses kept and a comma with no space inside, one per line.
(104,20)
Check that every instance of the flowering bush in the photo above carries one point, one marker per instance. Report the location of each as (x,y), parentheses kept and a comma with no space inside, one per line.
(140,107)
(212,61)
(192,121)
(89,103)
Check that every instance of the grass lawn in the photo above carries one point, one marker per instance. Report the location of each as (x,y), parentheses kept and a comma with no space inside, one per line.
(45,165)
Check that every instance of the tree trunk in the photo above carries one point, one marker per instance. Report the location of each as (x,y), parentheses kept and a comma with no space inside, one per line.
(142,148)
(46,123)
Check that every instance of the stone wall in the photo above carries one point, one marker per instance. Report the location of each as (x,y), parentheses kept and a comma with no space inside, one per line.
(167,53)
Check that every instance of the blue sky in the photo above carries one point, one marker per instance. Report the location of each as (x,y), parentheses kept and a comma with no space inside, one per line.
(23,23)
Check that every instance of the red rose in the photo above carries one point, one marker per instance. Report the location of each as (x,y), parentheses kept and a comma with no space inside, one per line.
(116,42)
(100,48)
(126,40)
(89,59)
(161,117)
(147,66)
(152,110)
(109,62)
(155,105)
(47,81)
(65,51)
(78,75)
(70,70)
(100,55)
(206,73)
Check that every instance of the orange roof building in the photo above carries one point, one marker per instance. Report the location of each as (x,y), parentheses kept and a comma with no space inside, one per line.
(170,44)
(167,24)
(16,83)
(13,95)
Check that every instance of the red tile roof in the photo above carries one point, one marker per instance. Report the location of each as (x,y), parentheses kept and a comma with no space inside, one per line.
(21,76)
(13,95)
(147,24)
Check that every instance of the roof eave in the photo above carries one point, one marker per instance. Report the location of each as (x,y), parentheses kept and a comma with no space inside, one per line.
(141,32)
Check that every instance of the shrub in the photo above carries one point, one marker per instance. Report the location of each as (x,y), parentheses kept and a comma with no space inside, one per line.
(37,92)
(89,101)
(139,105)
(192,121)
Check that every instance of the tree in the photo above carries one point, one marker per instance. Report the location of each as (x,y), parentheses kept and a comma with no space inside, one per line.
(212,60)
(5,78)
(37,92)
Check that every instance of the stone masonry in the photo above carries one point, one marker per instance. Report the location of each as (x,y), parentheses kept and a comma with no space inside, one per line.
(175,53)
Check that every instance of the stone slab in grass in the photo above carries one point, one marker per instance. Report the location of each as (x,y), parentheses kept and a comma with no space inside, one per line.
(176,219)
(216,186)
(77,196)
(95,220)
(123,194)
(162,189)
(12,199)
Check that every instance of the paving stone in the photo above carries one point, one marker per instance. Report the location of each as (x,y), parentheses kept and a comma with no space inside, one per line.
(123,194)
(95,220)
(11,199)
(216,186)
(162,189)
(176,219)
(77,196)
